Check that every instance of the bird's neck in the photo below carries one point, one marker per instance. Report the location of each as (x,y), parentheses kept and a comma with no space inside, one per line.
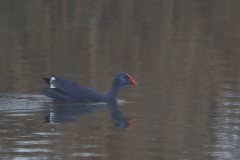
(112,93)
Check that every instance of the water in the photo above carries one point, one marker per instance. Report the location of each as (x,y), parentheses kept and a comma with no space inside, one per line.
(184,55)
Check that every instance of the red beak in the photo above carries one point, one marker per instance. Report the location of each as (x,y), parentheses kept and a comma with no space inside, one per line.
(132,80)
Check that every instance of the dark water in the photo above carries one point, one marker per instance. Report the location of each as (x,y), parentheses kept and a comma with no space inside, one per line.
(184,55)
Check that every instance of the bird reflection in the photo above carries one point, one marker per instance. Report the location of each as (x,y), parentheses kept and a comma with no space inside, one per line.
(65,113)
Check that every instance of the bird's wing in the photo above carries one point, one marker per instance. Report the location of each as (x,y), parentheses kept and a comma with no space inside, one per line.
(54,93)
(74,90)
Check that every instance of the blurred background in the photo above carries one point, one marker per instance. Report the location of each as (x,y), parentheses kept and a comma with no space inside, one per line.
(184,55)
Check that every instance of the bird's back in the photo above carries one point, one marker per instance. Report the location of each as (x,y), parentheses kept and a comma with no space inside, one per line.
(70,91)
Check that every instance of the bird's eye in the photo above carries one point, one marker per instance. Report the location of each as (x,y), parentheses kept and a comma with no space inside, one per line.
(126,76)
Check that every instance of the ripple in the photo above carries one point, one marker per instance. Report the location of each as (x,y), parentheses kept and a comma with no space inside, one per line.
(46,133)
(88,146)
(33,158)
(21,114)
(30,150)
(33,142)
(87,154)
(222,154)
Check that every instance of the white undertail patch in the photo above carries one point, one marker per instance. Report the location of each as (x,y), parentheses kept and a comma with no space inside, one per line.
(51,85)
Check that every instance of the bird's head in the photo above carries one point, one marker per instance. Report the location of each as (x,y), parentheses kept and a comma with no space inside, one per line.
(124,79)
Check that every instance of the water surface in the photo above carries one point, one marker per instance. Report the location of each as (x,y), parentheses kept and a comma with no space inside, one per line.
(184,55)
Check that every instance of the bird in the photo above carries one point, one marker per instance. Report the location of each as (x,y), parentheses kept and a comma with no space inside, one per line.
(66,90)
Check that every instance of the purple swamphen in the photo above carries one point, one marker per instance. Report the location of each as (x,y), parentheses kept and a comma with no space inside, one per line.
(66,90)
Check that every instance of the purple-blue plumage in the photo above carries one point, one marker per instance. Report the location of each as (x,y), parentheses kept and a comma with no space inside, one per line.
(67,90)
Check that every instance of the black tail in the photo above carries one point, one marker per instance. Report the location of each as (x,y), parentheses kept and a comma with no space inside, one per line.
(47,80)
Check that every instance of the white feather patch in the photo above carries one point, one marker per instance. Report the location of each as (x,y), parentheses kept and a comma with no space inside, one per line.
(51,85)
